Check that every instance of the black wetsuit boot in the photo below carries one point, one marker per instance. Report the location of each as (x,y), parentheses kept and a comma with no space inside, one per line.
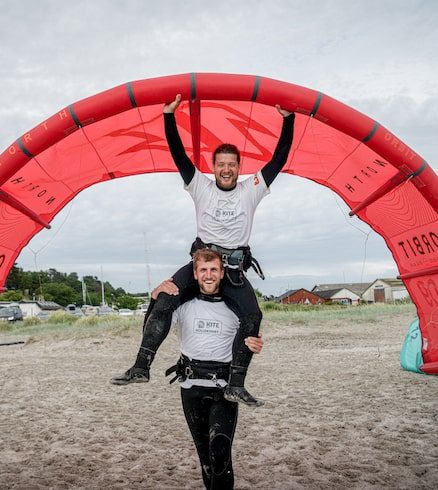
(235,391)
(139,373)
(156,328)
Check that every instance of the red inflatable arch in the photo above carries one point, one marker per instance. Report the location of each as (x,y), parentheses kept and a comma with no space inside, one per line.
(119,132)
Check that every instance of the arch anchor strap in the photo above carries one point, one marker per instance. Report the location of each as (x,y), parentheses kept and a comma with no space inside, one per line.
(387,187)
(20,207)
(423,272)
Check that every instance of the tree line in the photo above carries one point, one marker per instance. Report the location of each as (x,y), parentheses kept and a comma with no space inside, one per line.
(63,288)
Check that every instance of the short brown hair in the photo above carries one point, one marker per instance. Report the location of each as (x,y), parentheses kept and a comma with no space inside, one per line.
(227,148)
(206,255)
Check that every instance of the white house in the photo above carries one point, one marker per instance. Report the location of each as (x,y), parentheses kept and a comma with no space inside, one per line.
(32,308)
(357,287)
(385,291)
(340,295)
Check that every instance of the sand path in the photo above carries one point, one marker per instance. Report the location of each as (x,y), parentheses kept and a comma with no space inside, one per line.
(339,414)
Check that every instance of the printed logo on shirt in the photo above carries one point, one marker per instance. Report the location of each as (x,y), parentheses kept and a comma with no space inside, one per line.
(207,326)
(223,215)
(256,180)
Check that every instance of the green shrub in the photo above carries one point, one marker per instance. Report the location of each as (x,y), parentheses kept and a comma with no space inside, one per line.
(272,306)
(6,326)
(88,321)
(62,317)
(30,321)
(113,318)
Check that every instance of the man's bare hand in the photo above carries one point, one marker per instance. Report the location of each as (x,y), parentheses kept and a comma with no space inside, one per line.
(172,106)
(168,287)
(254,344)
(283,112)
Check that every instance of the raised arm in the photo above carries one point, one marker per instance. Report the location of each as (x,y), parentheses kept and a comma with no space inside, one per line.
(279,157)
(182,161)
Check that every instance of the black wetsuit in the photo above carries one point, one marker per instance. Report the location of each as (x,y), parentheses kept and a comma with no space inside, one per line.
(211,419)
(242,299)
(212,422)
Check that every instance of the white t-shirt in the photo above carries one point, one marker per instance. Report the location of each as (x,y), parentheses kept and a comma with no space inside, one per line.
(206,332)
(226,217)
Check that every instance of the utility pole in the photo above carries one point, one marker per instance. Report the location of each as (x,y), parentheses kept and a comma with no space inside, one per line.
(148,269)
(84,291)
(103,289)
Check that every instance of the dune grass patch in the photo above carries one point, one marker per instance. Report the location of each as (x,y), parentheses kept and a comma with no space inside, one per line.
(302,314)
(65,325)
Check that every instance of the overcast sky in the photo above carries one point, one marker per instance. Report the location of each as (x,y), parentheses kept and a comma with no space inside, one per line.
(379,57)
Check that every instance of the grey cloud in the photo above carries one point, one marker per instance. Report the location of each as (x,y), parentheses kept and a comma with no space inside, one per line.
(375,59)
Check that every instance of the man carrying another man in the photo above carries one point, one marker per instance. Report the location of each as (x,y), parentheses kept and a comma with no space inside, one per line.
(206,330)
(224,212)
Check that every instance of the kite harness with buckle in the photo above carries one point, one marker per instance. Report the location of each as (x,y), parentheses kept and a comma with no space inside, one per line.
(237,260)
(187,368)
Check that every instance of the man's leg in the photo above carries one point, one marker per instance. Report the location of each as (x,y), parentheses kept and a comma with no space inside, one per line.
(196,408)
(243,302)
(212,422)
(223,420)
(157,326)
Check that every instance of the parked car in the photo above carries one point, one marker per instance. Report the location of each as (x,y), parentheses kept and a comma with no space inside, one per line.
(74,310)
(142,309)
(90,310)
(11,313)
(105,310)
(126,312)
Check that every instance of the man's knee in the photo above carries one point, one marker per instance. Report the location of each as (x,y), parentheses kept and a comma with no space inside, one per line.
(220,454)
(166,302)
(157,325)
(250,323)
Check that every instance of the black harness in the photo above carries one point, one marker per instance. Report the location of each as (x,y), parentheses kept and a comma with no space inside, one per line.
(187,368)
(237,260)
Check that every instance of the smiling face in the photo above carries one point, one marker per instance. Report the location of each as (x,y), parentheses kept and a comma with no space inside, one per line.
(209,275)
(226,170)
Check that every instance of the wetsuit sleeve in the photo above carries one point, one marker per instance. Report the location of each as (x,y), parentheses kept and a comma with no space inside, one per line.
(279,158)
(182,161)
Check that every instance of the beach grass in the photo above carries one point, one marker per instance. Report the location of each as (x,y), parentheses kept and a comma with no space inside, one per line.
(325,314)
(65,325)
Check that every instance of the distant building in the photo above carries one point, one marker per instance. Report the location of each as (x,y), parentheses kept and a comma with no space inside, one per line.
(385,291)
(341,295)
(356,287)
(379,291)
(33,308)
(300,297)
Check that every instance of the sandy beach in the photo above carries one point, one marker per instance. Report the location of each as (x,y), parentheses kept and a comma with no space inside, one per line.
(340,413)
